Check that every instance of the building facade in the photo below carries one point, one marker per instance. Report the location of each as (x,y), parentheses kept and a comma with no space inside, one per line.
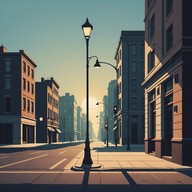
(111,103)
(68,110)
(168,50)
(17,98)
(79,123)
(47,111)
(130,108)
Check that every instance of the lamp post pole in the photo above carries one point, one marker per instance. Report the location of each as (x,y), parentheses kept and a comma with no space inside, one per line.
(87,28)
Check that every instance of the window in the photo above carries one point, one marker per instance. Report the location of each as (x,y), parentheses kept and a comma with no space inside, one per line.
(149,3)
(152,95)
(133,67)
(151,60)
(28,106)
(133,50)
(133,103)
(7,104)
(24,67)
(152,26)
(32,107)
(133,85)
(168,85)
(169,7)
(142,103)
(119,87)
(7,66)
(32,89)
(142,67)
(119,71)
(142,50)
(24,104)
(120,54)
(24,83)
(28,86)
(28,70)
(32,73)
(7,82)
(169,38)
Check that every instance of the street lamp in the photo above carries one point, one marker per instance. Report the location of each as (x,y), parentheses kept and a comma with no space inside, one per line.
(106,123)
(97,65)
(87,29)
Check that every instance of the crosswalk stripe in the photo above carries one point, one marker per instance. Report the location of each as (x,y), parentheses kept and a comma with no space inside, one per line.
(3,157)
(62,152)
(57,164)
(22,161)
(36,152)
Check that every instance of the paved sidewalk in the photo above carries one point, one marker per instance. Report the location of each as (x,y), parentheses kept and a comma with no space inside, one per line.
(114,158)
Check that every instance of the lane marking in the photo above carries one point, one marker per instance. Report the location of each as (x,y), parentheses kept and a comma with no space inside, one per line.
(57,164)
(73,161)
(4,157)
(18,162)
(36,152)
(62,152)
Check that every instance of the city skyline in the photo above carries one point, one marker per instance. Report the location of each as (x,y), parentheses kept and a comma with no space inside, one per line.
(50,32)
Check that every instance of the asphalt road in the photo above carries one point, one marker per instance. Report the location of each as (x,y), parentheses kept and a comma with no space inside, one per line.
(41,158)
(44,169)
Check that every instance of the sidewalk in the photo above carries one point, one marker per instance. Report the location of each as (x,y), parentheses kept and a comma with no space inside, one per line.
(114,158)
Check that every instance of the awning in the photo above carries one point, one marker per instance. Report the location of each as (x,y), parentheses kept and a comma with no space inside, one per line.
(51,129)
(114,128)
(58,130)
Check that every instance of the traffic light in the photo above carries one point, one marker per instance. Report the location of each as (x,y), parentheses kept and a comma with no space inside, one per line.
(106,126)
(115,109)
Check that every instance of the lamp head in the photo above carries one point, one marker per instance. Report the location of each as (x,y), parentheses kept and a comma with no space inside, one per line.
(87,29)
(97,65)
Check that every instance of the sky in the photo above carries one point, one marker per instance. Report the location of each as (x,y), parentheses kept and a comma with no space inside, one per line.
(51,34)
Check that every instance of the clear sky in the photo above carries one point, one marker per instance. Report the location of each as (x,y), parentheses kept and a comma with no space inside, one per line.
(50,32)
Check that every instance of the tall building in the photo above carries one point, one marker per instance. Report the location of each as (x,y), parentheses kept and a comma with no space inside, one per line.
(168,50)
(68,110)
(17,97)
(47,111)
(83,126)
(79,123)
(101,132)
(111,103)
(130,64)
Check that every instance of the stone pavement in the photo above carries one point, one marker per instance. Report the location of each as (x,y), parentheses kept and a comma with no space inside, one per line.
(114,158)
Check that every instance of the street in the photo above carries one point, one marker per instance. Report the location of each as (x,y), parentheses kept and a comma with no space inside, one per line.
(47,168)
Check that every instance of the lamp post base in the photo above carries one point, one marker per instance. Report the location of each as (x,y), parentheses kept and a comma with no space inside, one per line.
(87,155)
(93,167)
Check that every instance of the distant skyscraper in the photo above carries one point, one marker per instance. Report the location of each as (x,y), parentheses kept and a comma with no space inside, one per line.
(68,110)
(17,98)
(79,123)
(130,63)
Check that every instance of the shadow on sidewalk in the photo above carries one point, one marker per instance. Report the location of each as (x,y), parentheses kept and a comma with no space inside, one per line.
(131,186)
